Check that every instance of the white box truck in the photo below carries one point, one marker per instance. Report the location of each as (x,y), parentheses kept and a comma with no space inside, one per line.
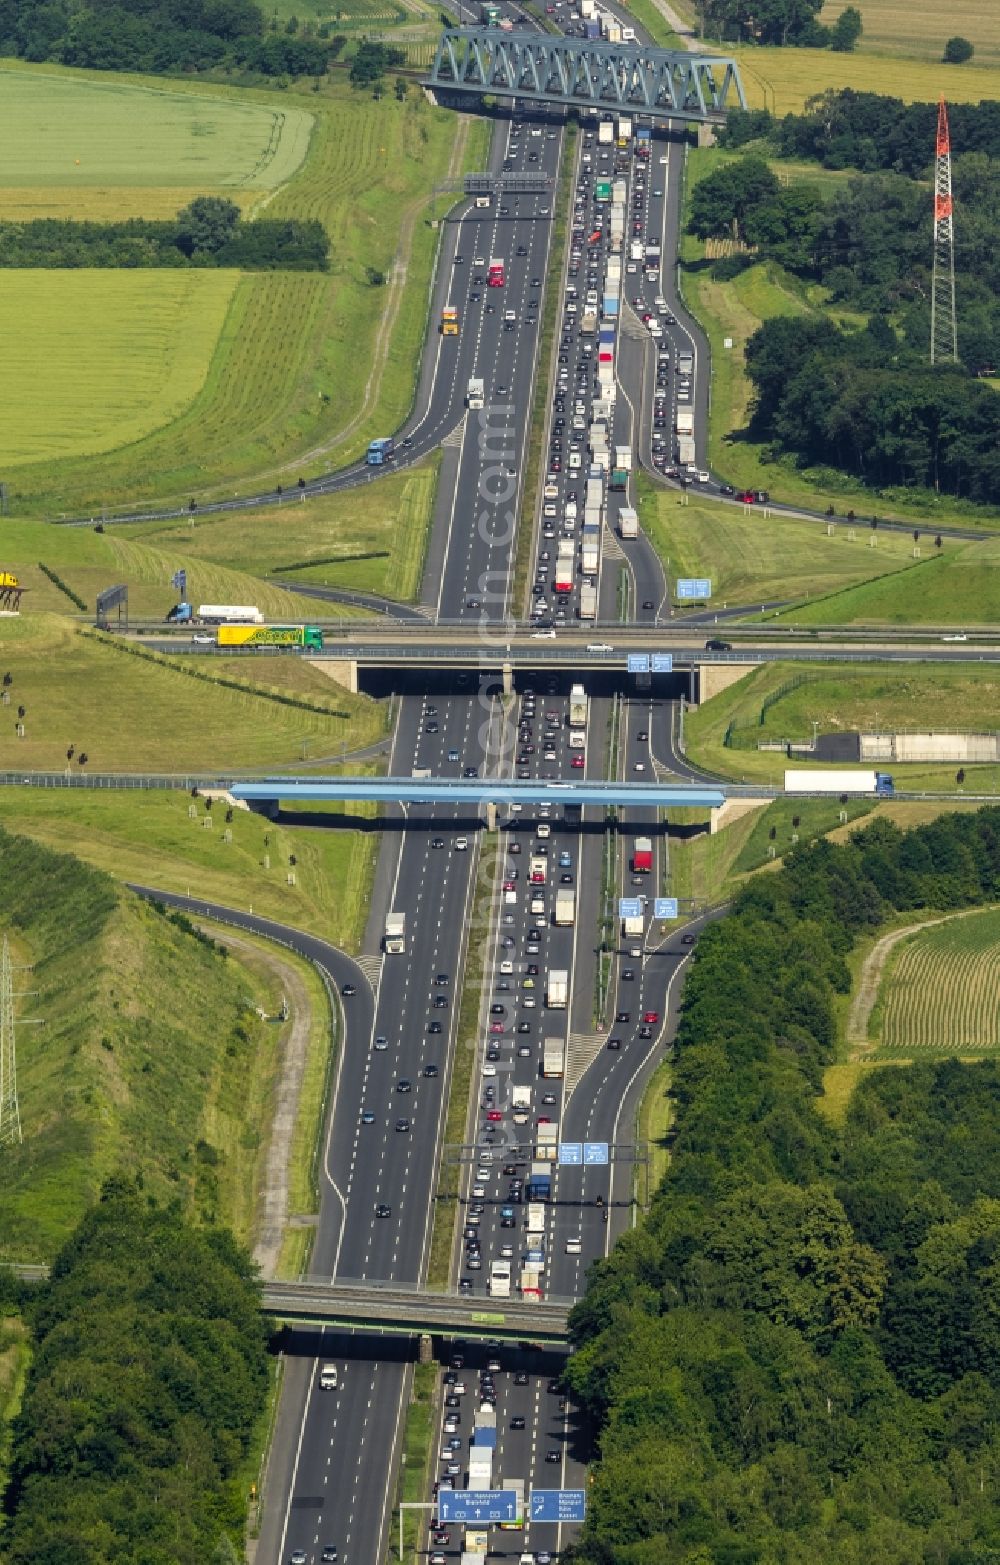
(590,562)
(606,129)
(535,1221)
(628,522)
(623,457)
(684,421)
(565,912)
(394,938)
(553,1057)
(685,450)
(588,603)
(500,1279)
(633,927)
(839,779)
(577,707)
(520,1105)
(475,395)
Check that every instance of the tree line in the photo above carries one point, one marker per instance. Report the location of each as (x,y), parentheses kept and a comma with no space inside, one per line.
(842,128)
(778,22)
(148,1377)
(796,1357)
(207,233)
(157,36)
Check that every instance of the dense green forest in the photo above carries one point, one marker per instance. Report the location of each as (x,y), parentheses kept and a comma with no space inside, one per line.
(148,1376)
(796,1357)
(157,36)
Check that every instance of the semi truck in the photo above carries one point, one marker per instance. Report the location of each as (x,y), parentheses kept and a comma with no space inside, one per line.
(628,522)
(539,1182)
(633,926)
(577,707)
(394,938)
(595,486)
(619,191)
(271,636)
(685,363)
(476,393)
(686,450)
(380,451)
(623,457)
(449,321)
(496,276)
(602,190)
(556,989)
(565,905)
(538,868)
(624,130)
(520,1102)
(619,480)
(605,131)
(564,568)
(642,856)
(554,1049)
(216,614)
(547,1138)
(480,1467)
(590,562)
(839,779)
(588,324)
(588,602)
(684,421)
(535,1221)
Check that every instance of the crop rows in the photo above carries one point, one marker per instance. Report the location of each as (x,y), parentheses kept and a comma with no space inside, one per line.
(944,990)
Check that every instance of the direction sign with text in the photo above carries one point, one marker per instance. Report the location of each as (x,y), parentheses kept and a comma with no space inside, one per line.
(629,907)
(477,1505)
(664,907)
(595,1153)
(570,1153)
(557,1505)
(638,663)
(691,588)
(663,662)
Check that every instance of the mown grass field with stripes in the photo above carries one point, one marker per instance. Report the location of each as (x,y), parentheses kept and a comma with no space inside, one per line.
(941,993)
(291,387)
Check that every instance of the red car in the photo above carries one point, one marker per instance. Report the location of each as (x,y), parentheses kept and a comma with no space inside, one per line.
(494,1116)
(577,762)
(748,497)
(650,1017)
(496,1027)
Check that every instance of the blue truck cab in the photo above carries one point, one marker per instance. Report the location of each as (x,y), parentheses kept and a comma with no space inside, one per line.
(379,451)
(884,785)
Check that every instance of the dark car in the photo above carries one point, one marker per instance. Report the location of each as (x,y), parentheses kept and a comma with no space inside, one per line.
(348,989)
(716,644)
(614,1044)
(623,1016)
(430,1070)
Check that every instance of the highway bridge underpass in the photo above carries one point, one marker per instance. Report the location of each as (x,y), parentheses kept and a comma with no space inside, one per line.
(390,1311)
(267,794)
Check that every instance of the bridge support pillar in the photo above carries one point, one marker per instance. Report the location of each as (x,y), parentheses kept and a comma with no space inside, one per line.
(508,679)
(491,817)
(426,1348)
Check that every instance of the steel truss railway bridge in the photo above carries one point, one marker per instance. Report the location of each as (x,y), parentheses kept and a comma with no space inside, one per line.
(657,84)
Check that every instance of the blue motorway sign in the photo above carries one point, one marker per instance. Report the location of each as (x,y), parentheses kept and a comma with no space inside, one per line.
(477,1505)
(663,662)
(629,907)
(693,587)
(179,580)
(571,1153)
(638,663)
(664,907)
(595,1153)
(557,1505)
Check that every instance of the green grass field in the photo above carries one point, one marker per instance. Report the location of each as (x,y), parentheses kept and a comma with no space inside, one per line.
(919,28)
(732,311)
(783,80)
(371,539)
(95,360)
(143,713)
(308,367)
(753,560)
(87,561)
(941,989)
(151,839)
(958,586)
(862,698)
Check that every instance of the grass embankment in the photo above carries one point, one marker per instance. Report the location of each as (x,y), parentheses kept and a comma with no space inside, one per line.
(543,378)
(755,560)
(656,1115)
(782,701)
(416,1472)
(305,371)
(370,539)
(85,562)
(151,839)
(783,80)
(939,991)
(142,1064)
(732,311)
(129,709)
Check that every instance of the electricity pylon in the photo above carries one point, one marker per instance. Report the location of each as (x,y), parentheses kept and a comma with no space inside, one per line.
(10,1117)
(944,327)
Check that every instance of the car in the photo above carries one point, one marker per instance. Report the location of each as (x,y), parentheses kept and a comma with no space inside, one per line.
(433,1027)
(715,644)
(382,1210)
(432,727)
(437,842)
(453,755)
(688,940)
(628,974)
(517,1422)
(623,1016)
(614,1044)
(553,1456)
(328,1554)
(440,1002)
(381,1044)
(367,1117)
(348,989)
(203,641)
(458,260)
(645,1031)
(403,1125)
(297,1557)
(462,843)
(956,637)
(577,762)
(431,1070)
(651,1016)
(726,489)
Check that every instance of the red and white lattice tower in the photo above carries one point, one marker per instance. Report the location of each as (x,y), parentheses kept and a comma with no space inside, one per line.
(944,328)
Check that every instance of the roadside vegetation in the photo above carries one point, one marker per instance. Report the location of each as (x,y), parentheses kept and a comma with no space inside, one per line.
(781,1252)
(372,538)
(939,991)
(781,702)
(301,370)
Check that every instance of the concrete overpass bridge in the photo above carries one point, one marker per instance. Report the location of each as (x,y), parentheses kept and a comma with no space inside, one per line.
(394,1311)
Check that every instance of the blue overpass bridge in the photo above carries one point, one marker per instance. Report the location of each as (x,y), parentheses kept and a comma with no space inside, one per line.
(475,791)
(631,78)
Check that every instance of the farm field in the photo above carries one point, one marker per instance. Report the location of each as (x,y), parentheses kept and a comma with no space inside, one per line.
(940,990)
(132,711)
(73,146)
(782,80)
(959,587)
(94,360)
(369,539)
(733,310)
(308,367)
(781,701)
(150,839)
(753,560)
(921,29)
(86,562)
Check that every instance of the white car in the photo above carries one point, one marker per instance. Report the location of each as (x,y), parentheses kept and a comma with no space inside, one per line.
(203,641)
(959,636)
(543,635)
(543,829)
(574,1247)
(461,844)
(703,477)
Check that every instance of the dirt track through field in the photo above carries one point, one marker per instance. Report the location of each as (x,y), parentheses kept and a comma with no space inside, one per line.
(871,977)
